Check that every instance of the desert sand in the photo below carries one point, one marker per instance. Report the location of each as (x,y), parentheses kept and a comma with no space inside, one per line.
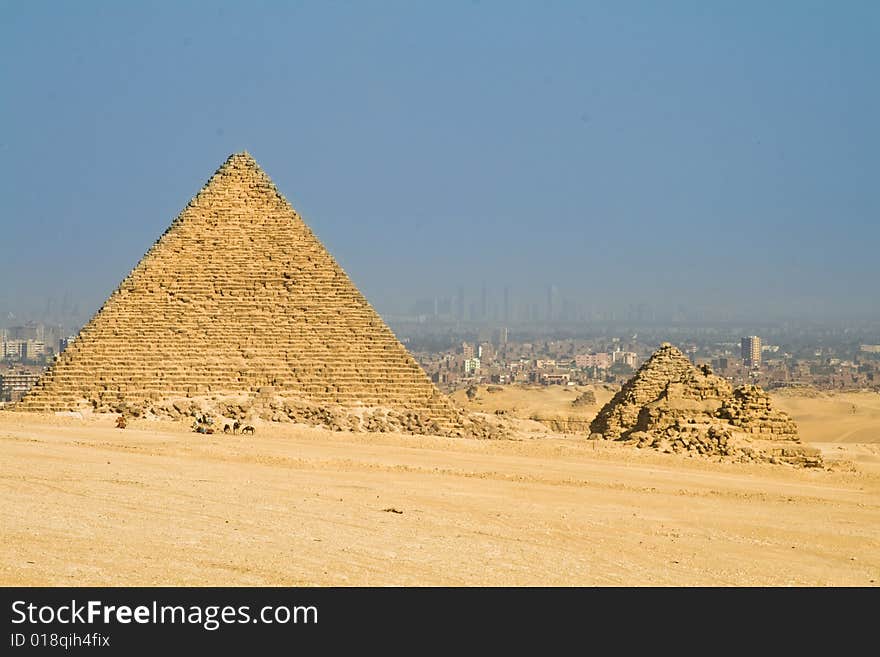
(84,503)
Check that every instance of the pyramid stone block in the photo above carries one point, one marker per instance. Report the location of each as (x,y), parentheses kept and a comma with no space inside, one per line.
(237,296)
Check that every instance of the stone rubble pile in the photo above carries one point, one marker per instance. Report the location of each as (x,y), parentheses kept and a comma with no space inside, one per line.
(586,398)
(749,409)
(272,408)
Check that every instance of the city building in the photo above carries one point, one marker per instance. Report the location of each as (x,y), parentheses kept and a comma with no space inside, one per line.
(600,361)
(751,351)
(15,383)
(63,343)
(35,349)
(721,363)
(554,378)
(13,350)
(628,358)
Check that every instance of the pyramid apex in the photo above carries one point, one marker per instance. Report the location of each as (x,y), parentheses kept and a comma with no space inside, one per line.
(241,156)
(240,161)
(668,349)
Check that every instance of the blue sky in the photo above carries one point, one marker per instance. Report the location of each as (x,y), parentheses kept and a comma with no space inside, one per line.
(722,155)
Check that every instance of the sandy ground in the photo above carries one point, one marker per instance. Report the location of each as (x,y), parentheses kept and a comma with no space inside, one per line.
(841,417)
(527,400)
(83,503)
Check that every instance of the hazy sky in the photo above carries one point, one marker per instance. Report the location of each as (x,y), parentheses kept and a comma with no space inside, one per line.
(716,154)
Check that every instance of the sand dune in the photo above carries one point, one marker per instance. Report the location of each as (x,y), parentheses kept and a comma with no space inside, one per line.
(84,503)
(840,417)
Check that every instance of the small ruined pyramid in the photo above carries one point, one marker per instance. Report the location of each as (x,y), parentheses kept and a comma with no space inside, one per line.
(237,297)
(673,406)
(667,366)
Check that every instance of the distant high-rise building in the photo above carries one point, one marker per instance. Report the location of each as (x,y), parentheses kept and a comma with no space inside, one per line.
(751,351)
(34,349)
(485,352)
(553,305)
(13,350)
(506,310)
(459,303)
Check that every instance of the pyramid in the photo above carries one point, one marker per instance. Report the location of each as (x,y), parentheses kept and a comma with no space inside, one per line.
(667,371)
(237,297)
(673,406)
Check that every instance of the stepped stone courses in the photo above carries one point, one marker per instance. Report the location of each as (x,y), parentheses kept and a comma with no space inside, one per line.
(672,406)
(239,296)
(749,410)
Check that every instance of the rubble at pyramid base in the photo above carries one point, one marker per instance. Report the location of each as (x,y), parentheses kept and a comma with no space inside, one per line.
(708,437)
(271,407)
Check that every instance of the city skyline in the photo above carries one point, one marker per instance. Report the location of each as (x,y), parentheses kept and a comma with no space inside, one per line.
(486,305)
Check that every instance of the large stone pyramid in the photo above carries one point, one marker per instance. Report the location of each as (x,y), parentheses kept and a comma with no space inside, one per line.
(237,296)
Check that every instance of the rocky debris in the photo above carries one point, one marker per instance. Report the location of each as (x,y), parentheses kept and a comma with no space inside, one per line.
(717,441)
(749,409)
(586,398)
(275,408)
(674,407)
(562,423)
(687,437)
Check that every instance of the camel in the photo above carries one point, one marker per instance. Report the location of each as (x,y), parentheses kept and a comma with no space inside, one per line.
(120,422)
(247,429)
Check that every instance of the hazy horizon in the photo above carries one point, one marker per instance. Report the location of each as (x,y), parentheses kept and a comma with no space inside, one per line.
(711,159)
